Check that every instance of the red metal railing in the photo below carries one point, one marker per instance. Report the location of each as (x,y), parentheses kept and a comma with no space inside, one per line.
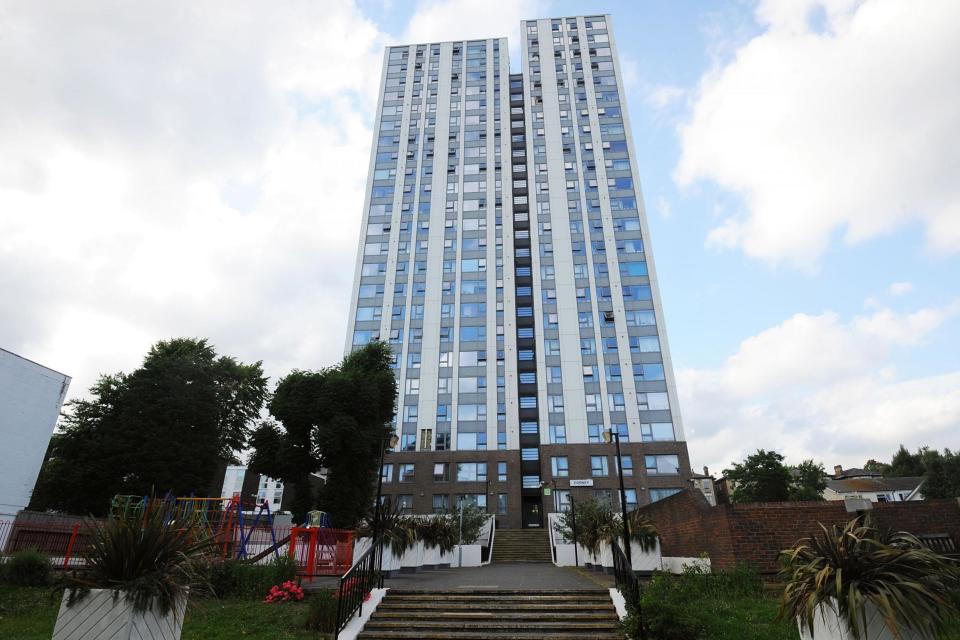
(320,551)
(61,539)
(317,551)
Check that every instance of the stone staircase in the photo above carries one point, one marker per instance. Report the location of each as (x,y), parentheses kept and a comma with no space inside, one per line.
(521,545)
(492,614)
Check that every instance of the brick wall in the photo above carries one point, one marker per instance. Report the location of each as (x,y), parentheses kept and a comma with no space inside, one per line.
(756,533)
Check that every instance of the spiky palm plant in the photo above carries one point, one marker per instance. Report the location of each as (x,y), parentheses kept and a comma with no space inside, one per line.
(439,532)
(399,531)
(152,558)
(642,530)
(846,567)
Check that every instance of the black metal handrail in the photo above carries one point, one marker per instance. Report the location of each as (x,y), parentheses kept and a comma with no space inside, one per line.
(363,577)
(627,582)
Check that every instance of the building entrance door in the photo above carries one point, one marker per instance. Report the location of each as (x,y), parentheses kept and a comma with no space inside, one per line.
(532,513)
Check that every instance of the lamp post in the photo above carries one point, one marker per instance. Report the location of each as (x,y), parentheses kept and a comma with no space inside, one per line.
(615,435)
(388,442)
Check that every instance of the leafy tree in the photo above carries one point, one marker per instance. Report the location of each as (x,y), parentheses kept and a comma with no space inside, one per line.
(337,418)
(809,481)
(166,426)
(905,463)
(943,476)
(877,467)
(762,477)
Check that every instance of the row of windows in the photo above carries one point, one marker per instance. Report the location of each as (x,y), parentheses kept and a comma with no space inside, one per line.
(462,472)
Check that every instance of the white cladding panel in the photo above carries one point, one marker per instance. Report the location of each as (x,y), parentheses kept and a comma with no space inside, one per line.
(30,399)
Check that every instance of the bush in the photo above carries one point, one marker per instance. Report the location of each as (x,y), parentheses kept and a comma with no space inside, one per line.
(154,558)
(848,567)
(28,568)
(322,613)
(236,579)
(673,605)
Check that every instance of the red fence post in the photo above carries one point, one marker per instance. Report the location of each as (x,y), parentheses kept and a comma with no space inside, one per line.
(312,553)
(73,539)
(292,548)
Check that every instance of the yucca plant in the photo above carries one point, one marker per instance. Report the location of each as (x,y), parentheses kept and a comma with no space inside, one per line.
(598,523)
(642,530)
(399,531)
(850,566)
(153,559)
(439,532)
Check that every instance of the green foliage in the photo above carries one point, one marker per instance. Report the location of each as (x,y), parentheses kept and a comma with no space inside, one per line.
(598,523)
(438,532)
(28,568)
(906,464)
(682,607)
(153,558)
(848,566)
(473,520)
(943,476)
(808,481)
(236,579)
(166,426)
(762,477)
(322,612)
(336,418)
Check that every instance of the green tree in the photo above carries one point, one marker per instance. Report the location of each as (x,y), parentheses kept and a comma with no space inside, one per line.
(905,463)
(809,481)
(877,467)
(337,418)
(166,426)
(943,476)
(762,477)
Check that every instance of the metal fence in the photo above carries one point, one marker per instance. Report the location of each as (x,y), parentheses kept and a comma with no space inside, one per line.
(316,551)
(63,540)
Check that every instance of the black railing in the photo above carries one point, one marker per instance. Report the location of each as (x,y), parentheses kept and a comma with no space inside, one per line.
(357,583)
(628,583)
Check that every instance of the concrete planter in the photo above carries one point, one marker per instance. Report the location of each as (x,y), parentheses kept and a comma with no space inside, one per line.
(828,626)
(471,556)
(103,614)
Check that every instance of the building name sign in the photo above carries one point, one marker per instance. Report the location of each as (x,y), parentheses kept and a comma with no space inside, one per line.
(588,482)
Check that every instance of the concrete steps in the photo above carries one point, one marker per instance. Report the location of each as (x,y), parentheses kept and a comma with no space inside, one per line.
(492,614)
(522,545)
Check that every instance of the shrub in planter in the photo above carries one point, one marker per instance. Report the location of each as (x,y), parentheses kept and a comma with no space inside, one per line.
(322,612)
(852,568)
(146,564)
(28,568)
(597,523)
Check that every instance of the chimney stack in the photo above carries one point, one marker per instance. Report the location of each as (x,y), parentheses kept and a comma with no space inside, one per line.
(837,471)
(706,471)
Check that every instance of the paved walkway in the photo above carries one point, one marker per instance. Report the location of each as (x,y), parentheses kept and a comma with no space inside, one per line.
(520,576)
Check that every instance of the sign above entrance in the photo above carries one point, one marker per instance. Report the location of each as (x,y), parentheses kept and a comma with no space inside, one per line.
(588,482)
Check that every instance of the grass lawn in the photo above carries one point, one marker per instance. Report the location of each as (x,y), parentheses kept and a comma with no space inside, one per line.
(746,619)
(29,614)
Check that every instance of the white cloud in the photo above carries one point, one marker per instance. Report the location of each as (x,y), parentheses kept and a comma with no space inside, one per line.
(900,288)
(665,96)
(662,206)
(181,170)
(435,21)
(817,386)
(854,126)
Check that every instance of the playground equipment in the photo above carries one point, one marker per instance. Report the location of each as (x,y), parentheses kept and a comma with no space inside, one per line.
(239,529)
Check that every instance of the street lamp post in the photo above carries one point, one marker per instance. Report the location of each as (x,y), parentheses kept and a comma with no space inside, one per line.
(385,443)
(615,435)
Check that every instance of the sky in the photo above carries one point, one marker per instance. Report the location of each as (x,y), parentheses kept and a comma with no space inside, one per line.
(197,169)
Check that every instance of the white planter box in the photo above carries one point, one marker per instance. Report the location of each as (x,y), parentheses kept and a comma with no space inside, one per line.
(471,556)
(99,615)
(413,557)
(432,556)
(827,626)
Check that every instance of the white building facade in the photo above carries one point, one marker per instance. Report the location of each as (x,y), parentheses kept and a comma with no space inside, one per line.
(31,396)
(505,257)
